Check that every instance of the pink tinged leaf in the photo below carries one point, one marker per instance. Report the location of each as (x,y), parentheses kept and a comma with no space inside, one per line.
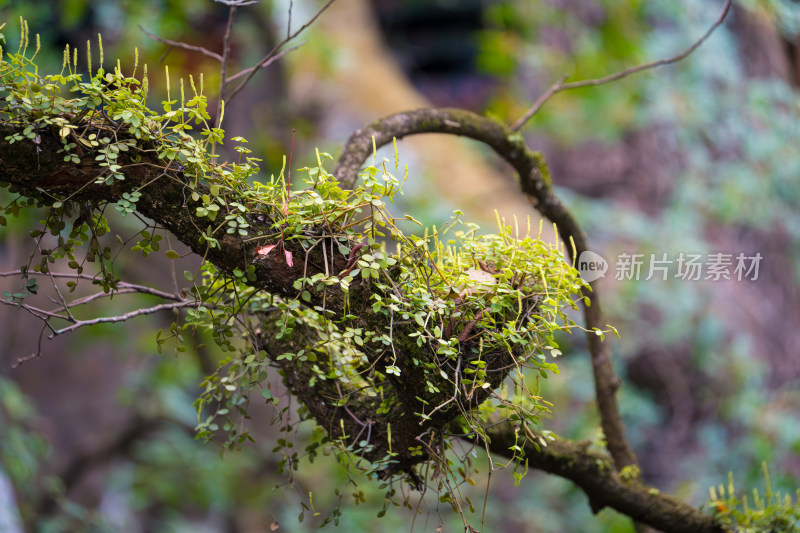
(266,249)
(289,260)
(286,208)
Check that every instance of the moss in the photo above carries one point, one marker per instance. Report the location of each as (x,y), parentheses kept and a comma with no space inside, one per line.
(543,167)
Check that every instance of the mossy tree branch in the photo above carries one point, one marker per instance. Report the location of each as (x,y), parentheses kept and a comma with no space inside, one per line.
(35,169)
(535,182)
(166,193)
(604,487)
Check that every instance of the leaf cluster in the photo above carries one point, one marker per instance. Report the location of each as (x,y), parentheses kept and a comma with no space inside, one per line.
(765,513)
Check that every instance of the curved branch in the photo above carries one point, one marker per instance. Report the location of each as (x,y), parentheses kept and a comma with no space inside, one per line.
(535,182)
(345,411)
(604,487)
(348,417)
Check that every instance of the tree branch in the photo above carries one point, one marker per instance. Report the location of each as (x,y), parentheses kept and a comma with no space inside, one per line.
(535,182)
(604,487)
(165,198)
(120,318)
(178,44)
(36,169)
(271,55)
(264,64)
(560,86)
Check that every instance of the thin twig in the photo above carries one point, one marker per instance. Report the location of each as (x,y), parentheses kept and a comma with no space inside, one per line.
(127,290)
(41,314)
(172,272)
(120,318)
(22,360)
(178,44)
(539,102)
(58,291)
(560,87)
(277,48)
(35,355)
(265,64)
(226,55)
(289,22)
(123,287)
(9,273)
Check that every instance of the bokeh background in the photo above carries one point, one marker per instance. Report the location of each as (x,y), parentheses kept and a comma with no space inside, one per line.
(699,157)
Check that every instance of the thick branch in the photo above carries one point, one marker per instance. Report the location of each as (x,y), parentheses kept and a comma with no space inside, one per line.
(351,414)
(535,182)
(37,170)
(605,488)
(166,199)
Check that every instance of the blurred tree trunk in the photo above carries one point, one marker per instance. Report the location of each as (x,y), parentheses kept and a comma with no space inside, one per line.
(764,52)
